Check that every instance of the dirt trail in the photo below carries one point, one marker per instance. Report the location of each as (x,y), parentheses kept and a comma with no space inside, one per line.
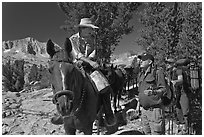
(30,113)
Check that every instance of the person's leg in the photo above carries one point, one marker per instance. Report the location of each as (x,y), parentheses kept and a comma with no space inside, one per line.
(179,112)
(157,123)
(185,109)
(145,122)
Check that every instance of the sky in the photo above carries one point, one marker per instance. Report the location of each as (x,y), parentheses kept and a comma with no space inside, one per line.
(42,20)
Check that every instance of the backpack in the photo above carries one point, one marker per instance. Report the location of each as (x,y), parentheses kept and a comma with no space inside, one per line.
(168,96)
(194,76)
(186,79)
(183,64)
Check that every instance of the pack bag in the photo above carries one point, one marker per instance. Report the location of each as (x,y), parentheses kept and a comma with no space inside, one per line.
(167,96)
(194,76)
(99,80)
(190,74)
(183,64)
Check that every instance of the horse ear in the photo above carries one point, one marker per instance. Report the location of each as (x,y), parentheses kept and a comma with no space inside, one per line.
(50,48)
(115,67)
(104,65)
(67,46)
(111,66)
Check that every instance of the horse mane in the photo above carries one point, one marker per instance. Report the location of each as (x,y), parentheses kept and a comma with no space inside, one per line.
(75,80)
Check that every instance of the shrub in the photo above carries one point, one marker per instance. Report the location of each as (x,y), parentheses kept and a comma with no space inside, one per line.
(13,75)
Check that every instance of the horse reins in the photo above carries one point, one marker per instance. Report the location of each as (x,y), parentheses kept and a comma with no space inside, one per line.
(77,110)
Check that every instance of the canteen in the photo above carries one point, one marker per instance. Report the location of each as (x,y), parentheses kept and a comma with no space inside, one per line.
(100,80)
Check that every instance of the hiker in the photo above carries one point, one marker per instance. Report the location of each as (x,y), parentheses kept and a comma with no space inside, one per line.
(83,55)
(175,76)
(151,87)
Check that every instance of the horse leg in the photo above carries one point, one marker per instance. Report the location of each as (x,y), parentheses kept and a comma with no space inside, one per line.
(119,96)
(115,102)
(88,130)
(69,130)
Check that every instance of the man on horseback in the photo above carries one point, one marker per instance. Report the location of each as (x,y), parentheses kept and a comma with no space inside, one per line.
(175,76)
(83,55)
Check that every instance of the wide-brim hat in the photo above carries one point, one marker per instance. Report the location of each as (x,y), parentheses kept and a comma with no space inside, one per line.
(86,22)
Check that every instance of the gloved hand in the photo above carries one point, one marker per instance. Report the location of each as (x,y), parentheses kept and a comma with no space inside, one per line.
(94,64)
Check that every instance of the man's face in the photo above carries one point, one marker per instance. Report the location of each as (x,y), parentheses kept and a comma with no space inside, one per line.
(145,63)
(87,32)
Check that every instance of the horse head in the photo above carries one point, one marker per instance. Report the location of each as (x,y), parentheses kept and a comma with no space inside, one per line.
(74,96)
(63,78)
(111,74)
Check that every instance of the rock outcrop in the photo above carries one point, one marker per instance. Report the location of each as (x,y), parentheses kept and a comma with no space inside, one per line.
(28,46)
(24,61)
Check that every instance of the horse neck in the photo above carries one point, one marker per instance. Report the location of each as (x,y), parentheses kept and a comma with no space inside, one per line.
(114,75)
(76,83)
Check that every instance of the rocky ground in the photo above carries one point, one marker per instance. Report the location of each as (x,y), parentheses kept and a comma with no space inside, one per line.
(29,113)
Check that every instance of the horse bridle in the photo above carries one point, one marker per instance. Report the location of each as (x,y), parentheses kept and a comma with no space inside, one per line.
(55,97)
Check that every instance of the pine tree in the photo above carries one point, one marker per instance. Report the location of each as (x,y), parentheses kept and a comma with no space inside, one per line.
(191,35)
(172,30)
(154,33)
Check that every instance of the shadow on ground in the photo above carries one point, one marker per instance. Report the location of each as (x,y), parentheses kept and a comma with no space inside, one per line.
(131,132)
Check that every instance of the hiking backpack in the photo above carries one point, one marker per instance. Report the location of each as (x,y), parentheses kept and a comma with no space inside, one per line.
(168,96)
(190,74)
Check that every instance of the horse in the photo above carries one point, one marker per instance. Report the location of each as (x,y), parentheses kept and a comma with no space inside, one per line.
(74,96)
(117,80)
(131,74)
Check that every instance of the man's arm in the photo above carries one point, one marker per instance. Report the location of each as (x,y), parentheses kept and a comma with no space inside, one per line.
(179,80)
(161,84)
(92,63)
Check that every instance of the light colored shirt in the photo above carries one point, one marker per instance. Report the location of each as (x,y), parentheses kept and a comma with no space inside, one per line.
(81,48)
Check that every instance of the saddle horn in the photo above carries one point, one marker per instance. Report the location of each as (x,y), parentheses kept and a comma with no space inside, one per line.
(68,93)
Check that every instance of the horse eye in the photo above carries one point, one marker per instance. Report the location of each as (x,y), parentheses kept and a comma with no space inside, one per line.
(50,70)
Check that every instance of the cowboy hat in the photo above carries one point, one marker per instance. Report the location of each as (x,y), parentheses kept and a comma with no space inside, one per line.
(86,22)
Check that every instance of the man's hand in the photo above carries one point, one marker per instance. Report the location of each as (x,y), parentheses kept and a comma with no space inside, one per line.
(79,63)
(148,92)
(94,64)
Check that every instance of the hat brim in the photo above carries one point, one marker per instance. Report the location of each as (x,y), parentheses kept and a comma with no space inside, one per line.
(169,61)
(143,58)
(87,25)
